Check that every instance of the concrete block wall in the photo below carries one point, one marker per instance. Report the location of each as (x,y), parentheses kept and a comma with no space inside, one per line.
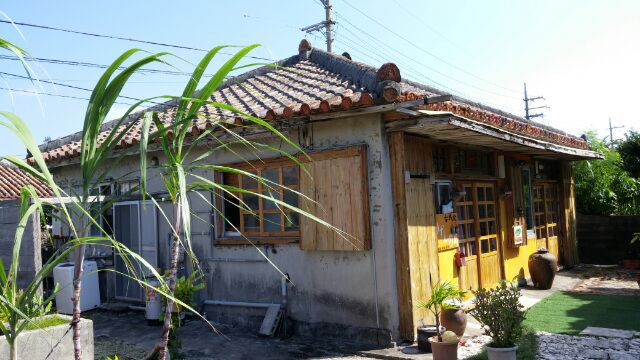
(30,251)
(605,239)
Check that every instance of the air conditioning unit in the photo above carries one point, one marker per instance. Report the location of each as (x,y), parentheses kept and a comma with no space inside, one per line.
(89,293)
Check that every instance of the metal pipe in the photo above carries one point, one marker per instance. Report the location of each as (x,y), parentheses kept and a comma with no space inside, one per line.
(235,260)
(239,304)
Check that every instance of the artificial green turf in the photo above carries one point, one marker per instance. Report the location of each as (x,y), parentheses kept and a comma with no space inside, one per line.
(46,322)
(568,313)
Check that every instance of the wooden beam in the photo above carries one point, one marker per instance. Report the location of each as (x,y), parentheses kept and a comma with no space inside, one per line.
(403,273)
(569,241)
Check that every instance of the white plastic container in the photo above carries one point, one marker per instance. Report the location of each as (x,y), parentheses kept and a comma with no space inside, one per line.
(89,293)
(153,298)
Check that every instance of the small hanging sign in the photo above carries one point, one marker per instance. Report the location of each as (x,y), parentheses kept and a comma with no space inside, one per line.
(447,231)
(518,235)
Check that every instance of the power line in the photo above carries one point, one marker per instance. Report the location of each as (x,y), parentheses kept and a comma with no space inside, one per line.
(56,95)
(45,27)
(71,86)
(426,51)
(462,82)
(92,65)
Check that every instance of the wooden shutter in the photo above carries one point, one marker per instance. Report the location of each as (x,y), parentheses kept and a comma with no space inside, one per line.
(337,182)
(517,215)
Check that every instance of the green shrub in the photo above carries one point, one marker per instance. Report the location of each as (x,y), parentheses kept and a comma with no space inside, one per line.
(500,313)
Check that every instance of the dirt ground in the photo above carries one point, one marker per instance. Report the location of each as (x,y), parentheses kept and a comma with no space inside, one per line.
(606,280)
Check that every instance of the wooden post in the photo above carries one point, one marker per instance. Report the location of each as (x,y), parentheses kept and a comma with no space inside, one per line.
(570,241)
(403,272)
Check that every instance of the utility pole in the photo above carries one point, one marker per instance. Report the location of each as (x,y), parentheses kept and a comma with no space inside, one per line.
(327,24)
(527,108)
(611,128)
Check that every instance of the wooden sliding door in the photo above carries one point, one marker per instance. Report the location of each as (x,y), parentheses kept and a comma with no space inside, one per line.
(478,233)
(545,206)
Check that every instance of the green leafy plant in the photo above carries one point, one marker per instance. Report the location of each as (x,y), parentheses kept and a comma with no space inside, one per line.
(19,308)
(187,286)
(500,313)
(607,186)
(182,169)
(441,295)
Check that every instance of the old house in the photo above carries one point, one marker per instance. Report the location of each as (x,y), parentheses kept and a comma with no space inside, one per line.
(428,186)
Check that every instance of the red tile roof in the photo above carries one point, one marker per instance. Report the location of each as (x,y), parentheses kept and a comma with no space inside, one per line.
(315,82)
(12,180)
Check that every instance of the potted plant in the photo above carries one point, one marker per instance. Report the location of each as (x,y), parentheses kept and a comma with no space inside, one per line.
(444,345)
(501,315)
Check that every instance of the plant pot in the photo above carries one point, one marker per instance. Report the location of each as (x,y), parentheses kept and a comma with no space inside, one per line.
(631,264)
(424,333)
(501,353)
(454,320)
(543,267)
(443,350)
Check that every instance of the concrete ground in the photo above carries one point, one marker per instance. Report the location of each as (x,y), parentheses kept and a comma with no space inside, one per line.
(127,335)
(564,281)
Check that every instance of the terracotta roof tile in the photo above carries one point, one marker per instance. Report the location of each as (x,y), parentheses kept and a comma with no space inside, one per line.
(318,82)
(12,180)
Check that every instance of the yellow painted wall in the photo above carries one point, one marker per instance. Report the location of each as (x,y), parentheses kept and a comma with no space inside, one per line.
(447,267)
(515,258)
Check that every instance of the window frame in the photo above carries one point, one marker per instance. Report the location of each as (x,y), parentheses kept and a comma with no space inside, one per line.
(224,237)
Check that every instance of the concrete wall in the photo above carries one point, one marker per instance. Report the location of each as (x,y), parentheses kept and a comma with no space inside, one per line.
(605,239)
(347,288)
(55,342)
(30,251)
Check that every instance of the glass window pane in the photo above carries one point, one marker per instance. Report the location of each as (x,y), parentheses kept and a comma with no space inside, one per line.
(268,204)
(463,248)
(250,200)
(484,246)
(490,211)
(249,182)
(483,229)
(460,212)
(271,175)
(489,193)
(469,211)
(290,176)
(291,221)
(493,246)
(473,250)
(291,198)
(471,230)
(468,193)
(251,223)
(480,192)
(272,222)
(482,212)
(492,227)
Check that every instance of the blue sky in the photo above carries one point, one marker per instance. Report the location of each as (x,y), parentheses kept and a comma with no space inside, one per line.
(582,56)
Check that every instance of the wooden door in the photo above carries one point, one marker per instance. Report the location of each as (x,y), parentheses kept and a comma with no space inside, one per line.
(546,216)
(469,275)
(478,234)
(487,230)
(423,249)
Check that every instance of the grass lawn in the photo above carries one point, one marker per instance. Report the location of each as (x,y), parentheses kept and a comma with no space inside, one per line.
(566,313)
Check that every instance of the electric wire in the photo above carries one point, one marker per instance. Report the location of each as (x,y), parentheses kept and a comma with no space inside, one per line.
(56,95)
(72,86)
(426,51)
(45,27)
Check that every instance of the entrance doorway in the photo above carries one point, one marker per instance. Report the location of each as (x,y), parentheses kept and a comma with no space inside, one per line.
(135,226)
(546,217)
(478,235)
